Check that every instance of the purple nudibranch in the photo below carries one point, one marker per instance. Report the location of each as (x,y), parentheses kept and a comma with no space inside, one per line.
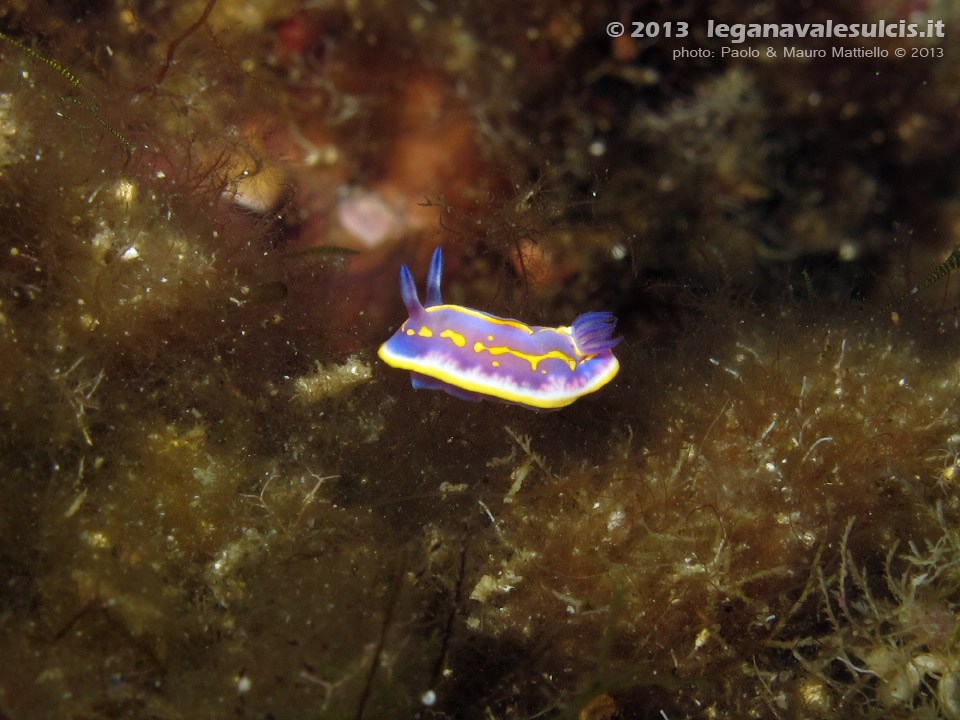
(477,356)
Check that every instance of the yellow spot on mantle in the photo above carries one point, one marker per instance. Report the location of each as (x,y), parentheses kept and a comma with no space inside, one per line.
(425,332)
(534,360)
(458,339)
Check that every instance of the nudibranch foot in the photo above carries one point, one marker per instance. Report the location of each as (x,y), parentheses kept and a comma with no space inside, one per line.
(423,382)
(477,356)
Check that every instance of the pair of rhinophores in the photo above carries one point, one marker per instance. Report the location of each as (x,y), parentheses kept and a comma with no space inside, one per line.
(477,356)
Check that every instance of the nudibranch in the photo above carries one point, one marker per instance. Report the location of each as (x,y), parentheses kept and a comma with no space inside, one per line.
(477,356)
